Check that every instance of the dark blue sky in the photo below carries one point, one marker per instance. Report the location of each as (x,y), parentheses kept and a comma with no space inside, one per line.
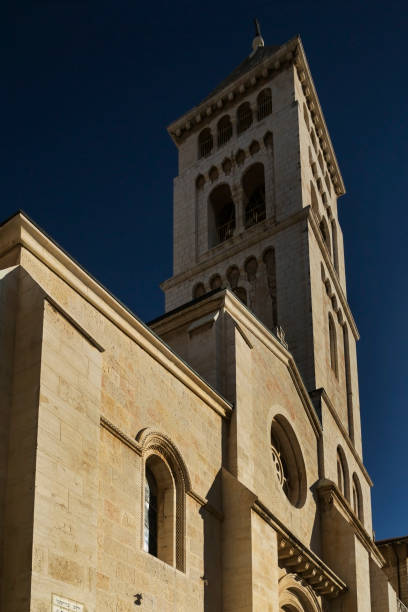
(85,153)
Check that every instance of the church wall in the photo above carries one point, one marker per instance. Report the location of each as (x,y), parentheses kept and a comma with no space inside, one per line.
(265,575)
(383,596)
(135,392)
(66,486)
(264,390)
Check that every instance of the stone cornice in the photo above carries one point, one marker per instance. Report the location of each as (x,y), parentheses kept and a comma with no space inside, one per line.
(330,497)
(346,437)
(20,232)
(290,53)
(300,560)
(309,90)
(199,115)
(235,245)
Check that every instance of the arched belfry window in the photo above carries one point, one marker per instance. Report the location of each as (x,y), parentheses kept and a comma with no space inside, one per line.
(333,345)
(253,183)
(224,130)
(244,117)
(221,215)
(264,101)
(165,485)
(205,143)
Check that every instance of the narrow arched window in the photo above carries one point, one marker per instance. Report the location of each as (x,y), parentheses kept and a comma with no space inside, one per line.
(270,265)
(313,197)
(320,160)
(264,101)
(205,143)
(244,117)
(342,473)
(253,183)
(324,230)
(357,498)
(224,130)
(335,246)
(333,345)
(150,514)
(221,215)
(159,511)
(347,375)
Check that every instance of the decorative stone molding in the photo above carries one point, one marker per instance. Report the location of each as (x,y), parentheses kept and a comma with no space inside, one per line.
(290,53)
(299,560)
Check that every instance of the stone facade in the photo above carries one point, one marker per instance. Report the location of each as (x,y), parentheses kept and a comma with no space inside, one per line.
(211,461)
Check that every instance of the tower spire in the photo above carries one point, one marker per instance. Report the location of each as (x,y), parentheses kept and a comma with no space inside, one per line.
(258,41)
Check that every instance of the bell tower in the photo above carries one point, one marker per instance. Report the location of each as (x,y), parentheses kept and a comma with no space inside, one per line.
(255,210)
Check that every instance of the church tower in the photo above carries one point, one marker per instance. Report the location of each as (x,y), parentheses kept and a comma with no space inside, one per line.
(255,211)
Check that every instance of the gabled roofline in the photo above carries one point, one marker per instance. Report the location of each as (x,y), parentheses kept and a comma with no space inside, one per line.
(19,231)
(224,298)
(290,53)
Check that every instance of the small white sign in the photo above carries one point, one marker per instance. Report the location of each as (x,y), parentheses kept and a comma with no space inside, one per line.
(62,604)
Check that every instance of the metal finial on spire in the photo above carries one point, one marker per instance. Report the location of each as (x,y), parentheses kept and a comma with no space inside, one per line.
(258,40)
(257,28)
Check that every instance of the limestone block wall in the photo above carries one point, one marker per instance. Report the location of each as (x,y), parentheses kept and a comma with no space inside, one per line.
(265,569)
(293,303)
(228,163)
(383,596)
(265,389)
(8,306)
(340,383)
(18,498)
(83,523)
(66,483)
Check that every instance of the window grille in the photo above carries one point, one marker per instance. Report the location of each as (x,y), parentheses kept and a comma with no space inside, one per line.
(264,104)
(255,211)
(224,131)
(244,116)
(205,143)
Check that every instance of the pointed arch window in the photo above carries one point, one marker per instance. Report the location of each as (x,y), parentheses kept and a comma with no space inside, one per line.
(244,117)
(224,130)
(333,345)
(264,102)
(205,143)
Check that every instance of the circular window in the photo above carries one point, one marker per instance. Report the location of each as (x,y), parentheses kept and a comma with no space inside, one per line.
(287,459)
